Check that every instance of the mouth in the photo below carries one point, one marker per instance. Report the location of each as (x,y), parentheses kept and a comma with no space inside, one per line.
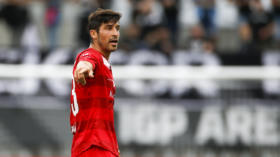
(114,41)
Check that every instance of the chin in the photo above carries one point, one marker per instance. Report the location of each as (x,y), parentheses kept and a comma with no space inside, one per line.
(113,49)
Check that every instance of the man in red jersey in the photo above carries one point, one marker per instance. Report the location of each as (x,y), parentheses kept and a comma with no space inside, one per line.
(93,89)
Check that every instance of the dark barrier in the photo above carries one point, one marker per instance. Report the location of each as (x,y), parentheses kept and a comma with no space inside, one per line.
(34,125)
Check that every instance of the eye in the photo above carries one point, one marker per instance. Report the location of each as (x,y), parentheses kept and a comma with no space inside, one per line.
(118,27)
(109,27)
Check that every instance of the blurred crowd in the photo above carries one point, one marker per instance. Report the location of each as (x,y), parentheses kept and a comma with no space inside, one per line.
(161,25)
(153,32)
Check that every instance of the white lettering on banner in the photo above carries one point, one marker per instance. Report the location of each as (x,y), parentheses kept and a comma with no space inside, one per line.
(151,124)
(248,125)
(210,126)
(266,126)
(160,124)
(173,123)
(146,129)
(239,120)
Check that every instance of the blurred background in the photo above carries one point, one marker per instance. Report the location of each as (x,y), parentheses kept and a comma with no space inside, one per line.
(233,117)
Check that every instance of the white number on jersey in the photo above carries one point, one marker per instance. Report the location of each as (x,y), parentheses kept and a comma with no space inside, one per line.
(75,107)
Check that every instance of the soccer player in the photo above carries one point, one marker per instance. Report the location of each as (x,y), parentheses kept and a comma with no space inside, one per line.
(93,89)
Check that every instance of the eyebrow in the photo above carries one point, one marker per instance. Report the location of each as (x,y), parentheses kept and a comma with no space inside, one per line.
(109,24)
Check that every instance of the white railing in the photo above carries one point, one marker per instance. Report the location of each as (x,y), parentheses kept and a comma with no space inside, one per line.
(146,72)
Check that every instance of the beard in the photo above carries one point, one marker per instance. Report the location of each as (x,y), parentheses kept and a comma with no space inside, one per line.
(108,46)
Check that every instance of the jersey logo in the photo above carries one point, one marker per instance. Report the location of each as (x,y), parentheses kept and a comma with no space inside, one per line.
(106,63)
(85,55)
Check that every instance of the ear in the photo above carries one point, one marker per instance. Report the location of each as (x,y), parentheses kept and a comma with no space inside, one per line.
(93,34)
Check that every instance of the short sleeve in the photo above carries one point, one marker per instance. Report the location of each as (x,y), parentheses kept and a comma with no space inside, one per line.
(86,56)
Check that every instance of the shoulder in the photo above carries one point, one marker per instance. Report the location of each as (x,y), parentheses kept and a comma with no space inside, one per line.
(88,55)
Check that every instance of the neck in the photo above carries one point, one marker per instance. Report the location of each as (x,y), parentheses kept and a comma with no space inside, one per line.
(104,53)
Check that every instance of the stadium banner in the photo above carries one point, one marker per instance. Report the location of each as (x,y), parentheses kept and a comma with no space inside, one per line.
(148,127)
(198,123)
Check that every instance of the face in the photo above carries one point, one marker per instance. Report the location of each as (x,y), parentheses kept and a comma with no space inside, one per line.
(106,40)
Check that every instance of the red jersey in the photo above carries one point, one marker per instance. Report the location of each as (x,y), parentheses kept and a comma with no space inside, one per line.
(92,115)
